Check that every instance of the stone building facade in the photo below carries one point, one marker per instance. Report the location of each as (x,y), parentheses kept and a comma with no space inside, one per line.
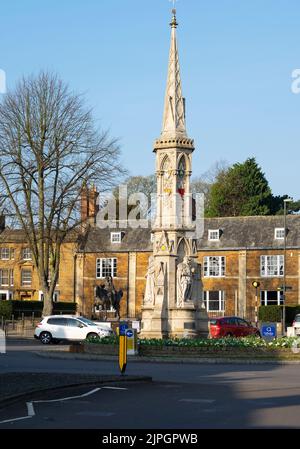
(232,254)
(18,274)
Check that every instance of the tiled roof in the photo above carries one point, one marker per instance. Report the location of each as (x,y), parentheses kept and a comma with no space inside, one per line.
(236,233)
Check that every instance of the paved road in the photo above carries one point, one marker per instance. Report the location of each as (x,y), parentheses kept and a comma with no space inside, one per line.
(181,396)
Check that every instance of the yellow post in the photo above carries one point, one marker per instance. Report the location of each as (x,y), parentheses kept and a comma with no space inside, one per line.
(122,353)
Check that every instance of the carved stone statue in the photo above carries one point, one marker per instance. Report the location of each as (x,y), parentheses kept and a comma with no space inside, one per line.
(150,282)
(106,296)
(184,281)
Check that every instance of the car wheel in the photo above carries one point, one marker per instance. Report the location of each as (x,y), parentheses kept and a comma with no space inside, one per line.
(257,334)
(45,338)
(229,334)
(92,335)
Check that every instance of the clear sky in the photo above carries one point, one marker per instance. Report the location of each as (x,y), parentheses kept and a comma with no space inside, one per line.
(237,57)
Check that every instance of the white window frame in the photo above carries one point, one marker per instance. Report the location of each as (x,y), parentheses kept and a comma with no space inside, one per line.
(278,230)
(7,293)
(4,253)
(7,284)
(263,297)
(56,295)
(100,268)
(265,266)
(116,237)
(209,266)
(26,254)
(214,235)
(222,304)
(11,277)
(152,238)
(26,283)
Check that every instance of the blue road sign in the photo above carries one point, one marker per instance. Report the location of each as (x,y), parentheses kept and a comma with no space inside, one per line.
(123,329)
(269,330)
(129,333)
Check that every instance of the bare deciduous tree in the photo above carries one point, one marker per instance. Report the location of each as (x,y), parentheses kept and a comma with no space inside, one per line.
(203,183)
(49,147)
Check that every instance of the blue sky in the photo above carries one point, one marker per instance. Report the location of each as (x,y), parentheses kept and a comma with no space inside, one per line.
(237,57)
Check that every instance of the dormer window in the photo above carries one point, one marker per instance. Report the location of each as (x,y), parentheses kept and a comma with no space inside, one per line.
(116,237)
(279,234)
(214,235)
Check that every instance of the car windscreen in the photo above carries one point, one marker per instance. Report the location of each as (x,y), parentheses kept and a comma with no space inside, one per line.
(86,321)
(213,322)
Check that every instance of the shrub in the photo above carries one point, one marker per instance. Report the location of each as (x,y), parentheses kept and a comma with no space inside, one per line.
(36,307)
(231,342)
(64,307)
(6,309)
(271,314)
(104,341)
(26,308)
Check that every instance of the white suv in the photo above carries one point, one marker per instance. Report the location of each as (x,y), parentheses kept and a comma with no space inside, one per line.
(68,327)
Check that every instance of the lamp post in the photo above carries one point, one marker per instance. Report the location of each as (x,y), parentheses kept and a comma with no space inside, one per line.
(285,202)
(256,284)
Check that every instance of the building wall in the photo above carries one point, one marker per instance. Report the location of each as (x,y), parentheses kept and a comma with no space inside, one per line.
(31,292)
(242,268)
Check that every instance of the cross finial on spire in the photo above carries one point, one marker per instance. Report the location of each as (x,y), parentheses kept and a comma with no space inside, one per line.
(174,23)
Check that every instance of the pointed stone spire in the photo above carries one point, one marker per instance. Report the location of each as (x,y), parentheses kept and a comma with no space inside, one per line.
(174,110)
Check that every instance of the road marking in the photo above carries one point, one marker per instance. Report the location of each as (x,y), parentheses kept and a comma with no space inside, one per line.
(200,401)
(70,397)
(114,388)
(15,419)
(30,409)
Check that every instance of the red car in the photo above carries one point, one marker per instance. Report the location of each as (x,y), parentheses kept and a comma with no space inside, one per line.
(231,326)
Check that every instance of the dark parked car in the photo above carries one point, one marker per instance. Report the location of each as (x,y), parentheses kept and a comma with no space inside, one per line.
(231,326)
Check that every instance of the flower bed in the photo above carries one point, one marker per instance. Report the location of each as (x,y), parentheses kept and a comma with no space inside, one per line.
(227,347)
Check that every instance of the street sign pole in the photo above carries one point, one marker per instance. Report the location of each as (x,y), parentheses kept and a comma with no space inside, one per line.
(256,284)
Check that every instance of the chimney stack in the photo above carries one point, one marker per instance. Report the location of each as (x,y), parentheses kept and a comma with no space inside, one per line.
(89,206)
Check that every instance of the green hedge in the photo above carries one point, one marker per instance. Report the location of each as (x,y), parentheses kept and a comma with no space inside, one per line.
(274,314)
(65,307)
(5,309)
(18,308)
(270,314)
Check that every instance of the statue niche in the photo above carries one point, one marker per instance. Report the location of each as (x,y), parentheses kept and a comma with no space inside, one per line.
(185,273)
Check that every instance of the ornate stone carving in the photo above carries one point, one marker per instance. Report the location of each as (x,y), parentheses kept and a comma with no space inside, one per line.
(184,281)
(150,282)
(160,281)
